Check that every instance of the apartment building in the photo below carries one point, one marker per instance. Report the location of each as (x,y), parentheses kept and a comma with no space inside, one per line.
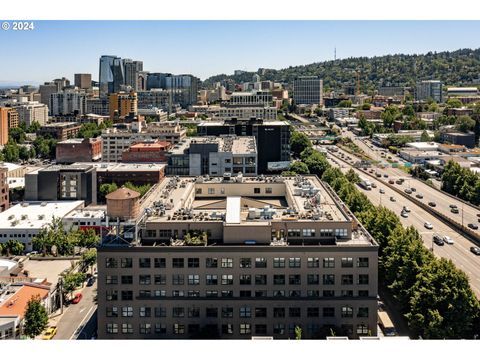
(308,90)
(263,98)
(123,104)
(83,81)
(429,89)
(32,111)
(60,131)
(247,113)
(282,252)
(68,102)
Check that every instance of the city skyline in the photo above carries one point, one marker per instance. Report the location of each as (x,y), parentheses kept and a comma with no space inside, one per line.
(190,45)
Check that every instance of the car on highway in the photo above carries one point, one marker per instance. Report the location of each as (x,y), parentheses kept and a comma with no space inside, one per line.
(50,333)
(454,210)
(406,209)
(437,239)
(90,281)
(432,204)
(473,226)
(399,182)
(391,181)
(419,196)
(451,206)
(404,214)
(385,175)
(408,191)
(413,189)
(374,185)
(428,225)
(77,298)
(382,191)
(378,175)
(475,250)
(392,199)
(448,240)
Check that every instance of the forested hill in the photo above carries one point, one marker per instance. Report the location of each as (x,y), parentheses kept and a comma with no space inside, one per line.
(453,68)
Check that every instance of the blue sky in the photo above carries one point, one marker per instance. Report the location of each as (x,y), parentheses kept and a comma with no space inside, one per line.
(204,48)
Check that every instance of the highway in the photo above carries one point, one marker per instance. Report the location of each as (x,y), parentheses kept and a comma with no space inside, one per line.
(459,253)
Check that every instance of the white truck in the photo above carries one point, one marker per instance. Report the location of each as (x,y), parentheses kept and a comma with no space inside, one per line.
(365,183)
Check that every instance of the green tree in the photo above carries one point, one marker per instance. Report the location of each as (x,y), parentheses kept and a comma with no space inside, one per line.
(24,153)
(424,137)
(352,176)
(345,104)
(366,106)
(88,238)
(36,318)
(464,123)
(13,247)
(299,142)
(454,103)
(106,189)
(389,115)
(34,127)
(11,152)
(89,258)
(17,134)
(298,333)
(316,163)
(299,167)
(71,281)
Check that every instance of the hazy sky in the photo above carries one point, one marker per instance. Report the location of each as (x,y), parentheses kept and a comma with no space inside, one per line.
(204,48)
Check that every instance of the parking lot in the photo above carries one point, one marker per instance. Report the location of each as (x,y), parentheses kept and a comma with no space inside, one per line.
(49,269)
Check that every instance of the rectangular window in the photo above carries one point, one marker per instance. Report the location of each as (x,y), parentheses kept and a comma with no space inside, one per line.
(145,311)
(260,262)
(178,329)
(227,312)
(313,262)
(294,293)
(227,263)
(160,279)
(347,311)
(160,312)
(245,293)
(261,312)
(279,329)
(144,279)
(112,328)
(328,293)
(127,295)
(347,279)
(347,293)
(313,293)
(126,262)
(227,329)
(363,279)
(329,263)
(127,329)
(278,312)
(278,279)
(256,190)
(211,312)
(245,312)
(294,232)
(159,293)
(363,293)
(160,263)
(211,279)
(112,311)
(227,279)
(268,190)
(294,262)
(178,312)
(178,293)
(278,262)
(308,232)
(145,294)
(211,262)
(313,312)
(362,312)
(362,262)
(160,328)
(211,293)
(328,279)
(227,293)
(245,329)
(245,279)
(294,279)
(341,233)
(193,312)
(144,262)
(178,279)
(145,328)
(260,279)
(294,312)
(111,280)
(278,293)
(112,295)
(111,263)
(193,262)
(127,279)
(211,191)
(313,279)
(347,262)
(328,312)
(362,329)
(127,311)
(193,293)
(261,293)
(194,279)
(245,262)
(193,328)
(177,263)
(260,329)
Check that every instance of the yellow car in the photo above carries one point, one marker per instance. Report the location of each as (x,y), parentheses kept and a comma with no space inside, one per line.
(50,333)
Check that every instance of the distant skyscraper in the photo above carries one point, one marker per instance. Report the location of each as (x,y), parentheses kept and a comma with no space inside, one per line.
(188,83)
(111,74)
(132,72)
(308,90)
(430,89)
(83,81)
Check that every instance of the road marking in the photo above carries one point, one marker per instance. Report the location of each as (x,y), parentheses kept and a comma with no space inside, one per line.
(81,322)
(81,311)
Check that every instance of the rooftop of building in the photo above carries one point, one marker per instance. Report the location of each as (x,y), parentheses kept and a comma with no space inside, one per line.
(86,213)
(232,121)
(151,145)
(233,144)
(16,303)
(474,89)
(10,166)
(35,215)
(78,140)
(452,146)
(423,145)
(61,124)
(112,167)
(458,133)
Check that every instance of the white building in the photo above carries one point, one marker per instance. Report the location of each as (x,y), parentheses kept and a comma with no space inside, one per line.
(423,146)
(32,111)
(245,113)
(84,218)
(68,102)
(263,98)
(430,89)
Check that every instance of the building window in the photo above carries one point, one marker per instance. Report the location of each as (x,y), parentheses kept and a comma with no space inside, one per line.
(328,293)
(278,279)
(227,312)
(328,263)
(328,279)
(227,263)
(362,262)
(193,328)
(347,279)
(127,295)
(112,295)
(347,311)
(211,191)
(260,279)
(127,311)
(177,263)
(260,262)
(160,312)
(294,293)
(178,329)
(294,262)
(362,329)
(178,312)
(294,232)
(160,262)
(227,293)
(279,329)
(145,294)
(198,191)
(144,262)
(211,262)
(194,279)
(245,293)
(211,279)
(347,293)
(144,279)
(362,312)
(279,293)
(363,279)
(256,190)
(227,279)
(193,293)
(145,311)
(193,262)
(313,312)
(294,312)
(145,328)
(245,279)
(341,233)
(245,312)
(112,311)
(313,279)
(127,279)
(159,293)
(112,328)
(160,328)
(211,312)
(245,329)
(347,262)
(268,190)
(193,312)
(328,312)
(178,293)
(260,329)
(211,293)
(261,312)
(178,279)
(294,279)
(111,263)
(278,262)
(160,279)
(151,233)
(111,280)
(313,293)
(227,329)
(363,293)
(313,262)
(308,232)
(126,262)
(245,262)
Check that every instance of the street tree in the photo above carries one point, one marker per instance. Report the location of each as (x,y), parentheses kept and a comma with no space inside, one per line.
(36,318)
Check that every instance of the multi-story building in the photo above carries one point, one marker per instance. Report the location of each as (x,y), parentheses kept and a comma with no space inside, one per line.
(462,91)
(33,111)
(188,83)
(272,137)
(78,150)
(213,156)
(62,182)
(429,89)
(61,83)
(147,151)
(4,197)
(247,112)
(60,131)
(68,102)
(83,81)
(116,141)
(46,90)
(123,104)
(99,106)
(273,254)
(111,74)
(132,72)
(308,90)
(8,120)
(157,80)
(250,98)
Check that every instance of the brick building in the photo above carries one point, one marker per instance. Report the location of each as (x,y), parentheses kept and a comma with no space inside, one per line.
(154,151)
(79,150)
(60,131)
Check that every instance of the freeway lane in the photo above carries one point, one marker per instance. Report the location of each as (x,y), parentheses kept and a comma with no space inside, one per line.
(459,253)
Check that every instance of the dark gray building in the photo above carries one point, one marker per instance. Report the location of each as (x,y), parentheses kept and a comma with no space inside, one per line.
(308,90)
(111,74)
(459,138)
